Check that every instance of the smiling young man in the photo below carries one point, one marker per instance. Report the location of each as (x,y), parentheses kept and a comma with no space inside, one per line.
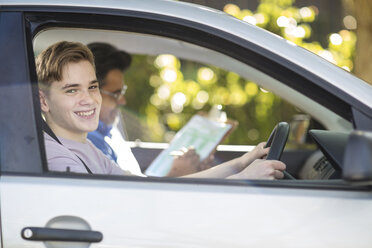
(70,101)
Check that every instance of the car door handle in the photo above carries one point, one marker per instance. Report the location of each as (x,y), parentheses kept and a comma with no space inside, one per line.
(56,234)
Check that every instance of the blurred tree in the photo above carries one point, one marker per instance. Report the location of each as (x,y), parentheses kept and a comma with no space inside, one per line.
(177,89)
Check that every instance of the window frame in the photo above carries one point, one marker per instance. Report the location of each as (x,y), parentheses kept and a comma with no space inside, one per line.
(21,149)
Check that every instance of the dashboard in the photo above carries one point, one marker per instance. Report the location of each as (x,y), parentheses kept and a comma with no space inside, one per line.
(326,162)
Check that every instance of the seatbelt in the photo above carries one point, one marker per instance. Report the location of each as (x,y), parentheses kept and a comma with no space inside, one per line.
(49,131)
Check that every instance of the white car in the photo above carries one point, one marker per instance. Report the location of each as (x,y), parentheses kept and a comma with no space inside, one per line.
(329,205)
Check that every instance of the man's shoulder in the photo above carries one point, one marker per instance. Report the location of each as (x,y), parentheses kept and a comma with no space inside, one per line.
(54,148)
(49,140)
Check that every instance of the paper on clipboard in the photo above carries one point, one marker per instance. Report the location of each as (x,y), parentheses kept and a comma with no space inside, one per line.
(200,132)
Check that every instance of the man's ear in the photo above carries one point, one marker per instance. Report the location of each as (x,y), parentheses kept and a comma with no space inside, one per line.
(43,102)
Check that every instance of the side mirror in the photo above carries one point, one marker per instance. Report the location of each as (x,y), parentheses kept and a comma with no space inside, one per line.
(357,163)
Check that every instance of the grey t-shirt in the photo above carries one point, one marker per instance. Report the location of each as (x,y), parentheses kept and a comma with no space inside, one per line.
(61,157)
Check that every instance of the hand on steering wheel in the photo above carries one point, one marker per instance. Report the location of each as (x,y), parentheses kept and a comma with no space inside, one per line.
(276,142)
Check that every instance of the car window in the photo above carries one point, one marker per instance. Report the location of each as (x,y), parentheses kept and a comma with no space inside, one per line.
(169,81)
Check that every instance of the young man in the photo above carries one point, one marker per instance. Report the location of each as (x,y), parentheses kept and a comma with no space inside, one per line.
(70,101)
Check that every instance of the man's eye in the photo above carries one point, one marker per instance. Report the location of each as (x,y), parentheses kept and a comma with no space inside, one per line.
(93,87)
(71,91)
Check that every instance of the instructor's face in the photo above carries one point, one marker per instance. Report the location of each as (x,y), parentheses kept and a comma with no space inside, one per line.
(114,83)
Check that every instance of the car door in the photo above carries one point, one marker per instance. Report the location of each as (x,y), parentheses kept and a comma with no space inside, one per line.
(41,208)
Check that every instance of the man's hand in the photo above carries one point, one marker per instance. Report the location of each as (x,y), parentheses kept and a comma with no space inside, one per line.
(186,163)
(258,152)
(206,163)
(262,169)
(189,162)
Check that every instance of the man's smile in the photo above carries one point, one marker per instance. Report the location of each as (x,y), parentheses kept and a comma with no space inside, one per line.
(86,114)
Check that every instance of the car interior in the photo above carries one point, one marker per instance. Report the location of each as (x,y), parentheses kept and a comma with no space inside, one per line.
(310,154)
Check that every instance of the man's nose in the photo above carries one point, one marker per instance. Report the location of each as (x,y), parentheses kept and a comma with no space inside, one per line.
(87,97)
(121,101)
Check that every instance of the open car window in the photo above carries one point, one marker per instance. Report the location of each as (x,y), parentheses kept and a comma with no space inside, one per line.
(171,80)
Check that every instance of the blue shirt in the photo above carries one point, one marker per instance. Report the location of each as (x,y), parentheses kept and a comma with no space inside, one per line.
(98,139)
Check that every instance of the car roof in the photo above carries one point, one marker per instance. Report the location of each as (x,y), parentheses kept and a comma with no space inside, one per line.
(335,76)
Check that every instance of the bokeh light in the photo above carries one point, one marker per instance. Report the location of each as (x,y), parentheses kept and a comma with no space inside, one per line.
(282,21)
(205,74)
(155,81)
(335,39)
(232,9)
(250,19)
(164,92)
(350,22)
(173,121)
(166,60)
(260,18)
(251,89)
(202,96)
(178,100)
(307,14)
(168,75)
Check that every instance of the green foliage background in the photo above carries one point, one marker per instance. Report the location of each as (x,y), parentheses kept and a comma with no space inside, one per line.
(256,110)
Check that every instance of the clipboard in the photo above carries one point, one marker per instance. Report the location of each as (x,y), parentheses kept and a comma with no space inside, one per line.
(200,132)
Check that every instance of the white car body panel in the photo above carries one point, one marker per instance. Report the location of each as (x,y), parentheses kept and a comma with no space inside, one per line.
(131,214)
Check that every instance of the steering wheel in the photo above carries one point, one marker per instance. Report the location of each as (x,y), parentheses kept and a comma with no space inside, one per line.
(276,142)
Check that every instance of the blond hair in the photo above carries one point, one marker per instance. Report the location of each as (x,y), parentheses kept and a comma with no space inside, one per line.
(50,63)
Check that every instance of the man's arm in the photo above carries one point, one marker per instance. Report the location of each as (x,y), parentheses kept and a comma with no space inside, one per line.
(248,166)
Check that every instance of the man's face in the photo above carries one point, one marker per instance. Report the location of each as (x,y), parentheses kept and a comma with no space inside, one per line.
(114,82)
(72,105)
